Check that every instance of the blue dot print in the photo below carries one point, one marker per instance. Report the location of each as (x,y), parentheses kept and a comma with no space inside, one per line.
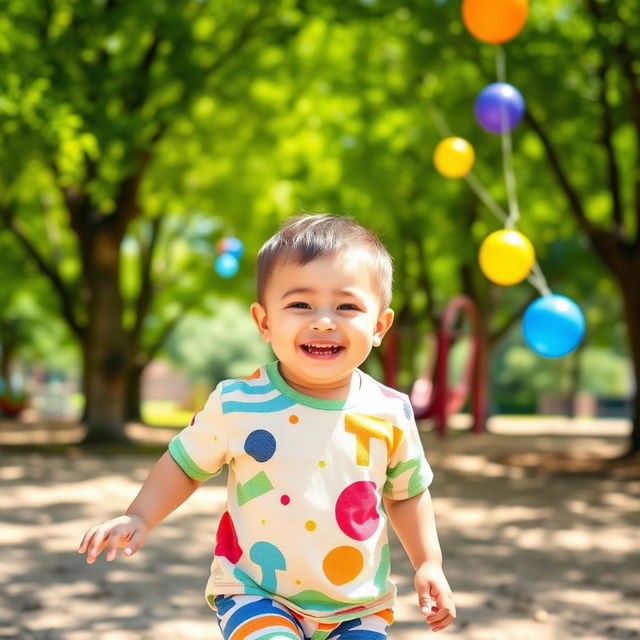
(260,445)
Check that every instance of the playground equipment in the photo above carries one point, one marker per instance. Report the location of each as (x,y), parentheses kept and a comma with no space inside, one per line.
(431,395)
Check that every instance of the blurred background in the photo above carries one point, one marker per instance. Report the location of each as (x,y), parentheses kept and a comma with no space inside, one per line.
(137,137)
(134,136)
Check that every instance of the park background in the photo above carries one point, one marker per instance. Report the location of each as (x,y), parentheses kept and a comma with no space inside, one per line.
(136,135)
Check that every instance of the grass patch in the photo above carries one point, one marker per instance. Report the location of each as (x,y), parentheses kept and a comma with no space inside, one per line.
(165,413)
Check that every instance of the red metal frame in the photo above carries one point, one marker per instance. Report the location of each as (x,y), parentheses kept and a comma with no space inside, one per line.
(432,396)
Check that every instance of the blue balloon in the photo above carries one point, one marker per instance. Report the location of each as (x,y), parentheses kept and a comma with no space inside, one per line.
(499,107)
(232,245)
(553,326)
(227,265)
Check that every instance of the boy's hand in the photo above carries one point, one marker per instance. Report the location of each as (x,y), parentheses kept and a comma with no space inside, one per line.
(434,596)
(128,532)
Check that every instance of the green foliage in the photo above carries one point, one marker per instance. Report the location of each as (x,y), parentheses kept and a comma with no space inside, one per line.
(325,106)
(221,343)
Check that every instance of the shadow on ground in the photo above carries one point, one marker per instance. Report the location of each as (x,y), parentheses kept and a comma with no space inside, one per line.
(531,552)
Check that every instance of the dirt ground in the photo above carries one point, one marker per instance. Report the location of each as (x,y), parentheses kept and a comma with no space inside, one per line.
(532,552)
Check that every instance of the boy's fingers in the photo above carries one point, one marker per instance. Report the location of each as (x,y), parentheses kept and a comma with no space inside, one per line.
(113,542)
(438,616)
(134,544)
(86,539)
(426,602)
(97,545)
(442,625)
(444,600)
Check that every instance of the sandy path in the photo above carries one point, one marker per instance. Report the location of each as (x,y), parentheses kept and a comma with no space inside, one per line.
(530,554)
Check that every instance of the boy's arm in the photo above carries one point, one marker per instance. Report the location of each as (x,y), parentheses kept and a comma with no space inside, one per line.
(414,523)
(165,489)
(167,486)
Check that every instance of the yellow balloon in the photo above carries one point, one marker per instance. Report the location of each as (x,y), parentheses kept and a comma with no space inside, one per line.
(454,157)
(506,257)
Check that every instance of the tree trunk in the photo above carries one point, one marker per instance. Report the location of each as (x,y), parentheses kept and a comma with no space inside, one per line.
(631,298)
(134,394)
(107,356)
(575,377)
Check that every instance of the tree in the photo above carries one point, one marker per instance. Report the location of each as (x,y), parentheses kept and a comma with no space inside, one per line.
(596,162)
(92,93)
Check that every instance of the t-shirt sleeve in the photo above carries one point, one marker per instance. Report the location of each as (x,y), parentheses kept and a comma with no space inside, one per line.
(408,472)
(201,448)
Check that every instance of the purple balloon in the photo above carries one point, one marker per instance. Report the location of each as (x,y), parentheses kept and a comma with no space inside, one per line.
(499,107)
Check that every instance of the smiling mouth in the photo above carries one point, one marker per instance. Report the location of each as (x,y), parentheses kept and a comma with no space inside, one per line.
(321,350)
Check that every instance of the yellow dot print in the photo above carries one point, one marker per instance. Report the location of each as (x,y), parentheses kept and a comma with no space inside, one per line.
(263,521)
(294,419)
(322,464)
(298,582)
(310,525)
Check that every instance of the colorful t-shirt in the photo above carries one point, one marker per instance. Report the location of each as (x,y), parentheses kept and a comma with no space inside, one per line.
(304,522)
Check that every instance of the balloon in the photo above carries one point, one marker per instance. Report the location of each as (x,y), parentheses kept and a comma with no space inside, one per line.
(506,257)
(454,157)
(231,245)
(553,326)
(494,21)
(499,107)
(226,265)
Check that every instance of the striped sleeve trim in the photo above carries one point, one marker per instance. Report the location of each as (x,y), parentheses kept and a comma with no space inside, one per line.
(184,461)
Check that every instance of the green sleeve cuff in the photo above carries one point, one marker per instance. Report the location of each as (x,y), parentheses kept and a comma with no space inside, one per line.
(184,461)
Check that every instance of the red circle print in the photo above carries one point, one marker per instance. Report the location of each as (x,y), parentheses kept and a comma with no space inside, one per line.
(356,510)
(226,540)
(285,500)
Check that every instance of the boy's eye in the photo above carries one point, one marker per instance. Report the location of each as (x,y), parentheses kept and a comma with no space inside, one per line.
(348,307)
(298,305)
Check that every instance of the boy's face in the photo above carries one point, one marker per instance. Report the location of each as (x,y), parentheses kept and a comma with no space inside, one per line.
(322,318)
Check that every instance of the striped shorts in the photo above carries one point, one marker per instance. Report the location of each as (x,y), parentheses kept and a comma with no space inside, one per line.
(245,617)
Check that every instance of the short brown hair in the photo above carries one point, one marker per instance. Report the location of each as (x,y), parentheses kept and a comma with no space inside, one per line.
(305,237)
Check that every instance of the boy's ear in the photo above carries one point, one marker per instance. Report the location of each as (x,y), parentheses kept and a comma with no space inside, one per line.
(385,320)
(259,315)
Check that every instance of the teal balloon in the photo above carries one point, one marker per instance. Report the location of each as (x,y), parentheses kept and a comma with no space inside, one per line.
(553,326)
(226,265)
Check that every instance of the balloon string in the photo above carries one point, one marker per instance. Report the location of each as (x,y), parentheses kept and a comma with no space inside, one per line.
(539,282)
(507,150)
(438,120)
(536,278)
(501,64)
(485,196)
(445,131)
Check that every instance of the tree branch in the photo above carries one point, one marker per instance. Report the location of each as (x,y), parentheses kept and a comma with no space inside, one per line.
(145,295)
(46,269)
(244,35)
(628,64)
(554,159)
(164,334)
(613,171)
(496,335)
(425,280)
(127,205)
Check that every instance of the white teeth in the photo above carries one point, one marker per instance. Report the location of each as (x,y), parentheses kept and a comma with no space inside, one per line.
(321,349)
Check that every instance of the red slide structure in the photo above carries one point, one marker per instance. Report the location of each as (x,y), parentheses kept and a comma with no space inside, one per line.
(433,396)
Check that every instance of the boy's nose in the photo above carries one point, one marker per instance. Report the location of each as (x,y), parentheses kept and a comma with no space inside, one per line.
(323,323)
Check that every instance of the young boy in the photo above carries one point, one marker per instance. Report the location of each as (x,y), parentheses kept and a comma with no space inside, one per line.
(320,455)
